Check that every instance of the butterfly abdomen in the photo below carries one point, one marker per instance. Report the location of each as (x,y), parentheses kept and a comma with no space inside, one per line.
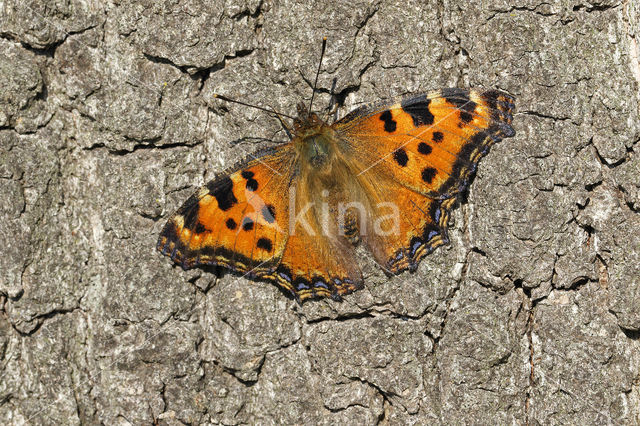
(350,227)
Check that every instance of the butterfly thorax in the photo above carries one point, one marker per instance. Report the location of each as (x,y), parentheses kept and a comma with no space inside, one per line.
(314,140)
(316,148)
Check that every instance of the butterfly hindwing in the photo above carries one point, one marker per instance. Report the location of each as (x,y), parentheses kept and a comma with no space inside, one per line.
(404,236)
(313,266)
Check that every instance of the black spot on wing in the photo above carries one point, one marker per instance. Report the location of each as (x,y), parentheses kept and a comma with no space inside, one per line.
(222,190)
(264,244)
(428,173)
(437,137)
(200,228)
(465,117)
(418,108)
(247,224)
(389,124)
(424,148)
(400,155)
(231,224)
(252,185)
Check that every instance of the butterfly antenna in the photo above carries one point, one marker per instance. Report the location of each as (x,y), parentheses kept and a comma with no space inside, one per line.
(315,83)
(333,103)
(269,110)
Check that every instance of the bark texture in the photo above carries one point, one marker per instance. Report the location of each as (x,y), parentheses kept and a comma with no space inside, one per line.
(107,124)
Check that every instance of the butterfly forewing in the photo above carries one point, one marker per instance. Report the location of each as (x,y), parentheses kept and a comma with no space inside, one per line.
(242,221)
(236,220)
(430,142)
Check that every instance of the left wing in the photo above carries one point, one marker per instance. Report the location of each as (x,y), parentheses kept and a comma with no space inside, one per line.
(239,220)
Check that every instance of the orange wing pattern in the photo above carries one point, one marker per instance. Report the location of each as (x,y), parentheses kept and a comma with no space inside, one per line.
(429,146)
(241,221)
(232,221)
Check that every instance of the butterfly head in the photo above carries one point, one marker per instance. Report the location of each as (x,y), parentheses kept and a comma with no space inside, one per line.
(305,120)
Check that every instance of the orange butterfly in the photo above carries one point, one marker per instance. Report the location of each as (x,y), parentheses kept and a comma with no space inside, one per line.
(385,176)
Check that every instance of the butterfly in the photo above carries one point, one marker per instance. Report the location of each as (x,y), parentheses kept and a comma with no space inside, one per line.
(385,176)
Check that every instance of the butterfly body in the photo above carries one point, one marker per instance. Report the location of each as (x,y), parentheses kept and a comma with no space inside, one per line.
(385,176)
(316,147)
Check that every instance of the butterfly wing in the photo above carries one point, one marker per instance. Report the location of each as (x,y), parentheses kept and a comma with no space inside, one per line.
(421,152)
(237,220)
(240,220)
(314,265)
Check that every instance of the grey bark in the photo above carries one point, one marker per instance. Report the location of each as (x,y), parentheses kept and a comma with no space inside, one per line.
(107,124)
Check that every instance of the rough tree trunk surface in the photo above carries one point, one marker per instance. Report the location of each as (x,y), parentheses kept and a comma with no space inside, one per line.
(107,124)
